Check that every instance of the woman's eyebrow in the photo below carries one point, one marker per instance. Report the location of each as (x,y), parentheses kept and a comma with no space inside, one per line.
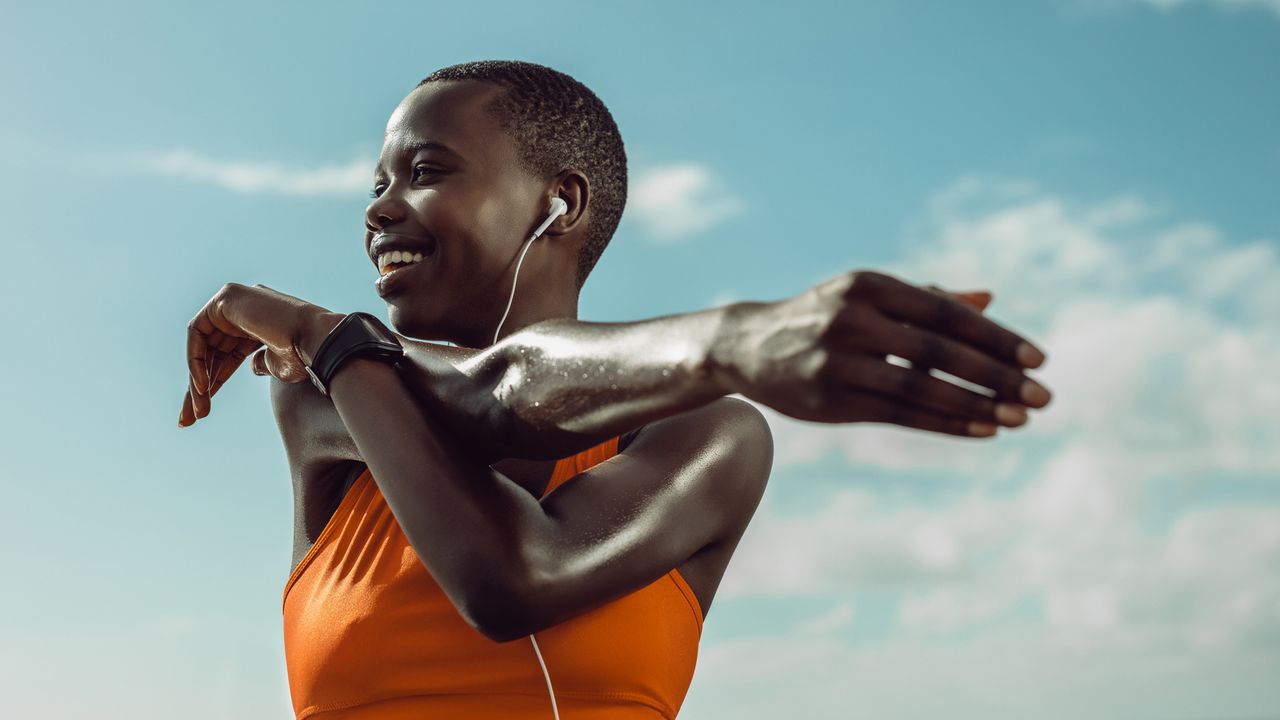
(422,145)
(429,145)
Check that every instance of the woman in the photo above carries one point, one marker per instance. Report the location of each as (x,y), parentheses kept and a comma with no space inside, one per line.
(582,485)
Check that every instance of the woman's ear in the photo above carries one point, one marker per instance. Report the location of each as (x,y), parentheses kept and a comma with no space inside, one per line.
(574,188)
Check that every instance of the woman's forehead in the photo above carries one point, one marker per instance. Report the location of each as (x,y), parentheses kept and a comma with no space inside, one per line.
(451,114)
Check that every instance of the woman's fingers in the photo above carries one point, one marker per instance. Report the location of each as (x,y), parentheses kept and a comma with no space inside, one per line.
(198,350)
(213,358)
(187,414)
(924,347)
(873,407)
(945,315)
(860,371)
(217,344)
(976,299)
(231,361)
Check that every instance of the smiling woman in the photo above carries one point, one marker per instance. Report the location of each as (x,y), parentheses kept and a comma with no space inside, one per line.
(581,485)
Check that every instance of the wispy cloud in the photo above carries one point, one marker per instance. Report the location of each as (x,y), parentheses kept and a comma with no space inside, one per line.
(676,201)
(1070,552)
(246,176)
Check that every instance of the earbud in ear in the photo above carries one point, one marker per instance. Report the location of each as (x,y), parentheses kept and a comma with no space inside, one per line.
(558,208)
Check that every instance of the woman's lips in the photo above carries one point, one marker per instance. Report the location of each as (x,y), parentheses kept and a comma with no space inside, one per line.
(398,279)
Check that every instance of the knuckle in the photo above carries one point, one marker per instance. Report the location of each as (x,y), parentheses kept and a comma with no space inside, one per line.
(859,320)
(859,282)
(820,363)
(829,326)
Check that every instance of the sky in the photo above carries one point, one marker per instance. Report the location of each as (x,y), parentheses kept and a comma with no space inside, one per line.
(1109,169)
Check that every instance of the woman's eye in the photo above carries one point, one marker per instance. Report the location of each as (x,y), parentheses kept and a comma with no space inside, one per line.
(376,191)
(421,170)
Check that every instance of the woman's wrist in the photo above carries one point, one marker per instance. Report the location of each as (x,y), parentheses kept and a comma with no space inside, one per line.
(721,368)
(315,325)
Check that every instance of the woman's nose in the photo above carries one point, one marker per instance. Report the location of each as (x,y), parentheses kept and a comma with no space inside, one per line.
(382,213)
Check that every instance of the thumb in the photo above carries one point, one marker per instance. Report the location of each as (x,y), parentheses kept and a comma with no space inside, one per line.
(284,368)
(259,362)
(978,299)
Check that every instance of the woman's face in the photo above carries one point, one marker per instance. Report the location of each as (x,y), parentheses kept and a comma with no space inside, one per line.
(449,186)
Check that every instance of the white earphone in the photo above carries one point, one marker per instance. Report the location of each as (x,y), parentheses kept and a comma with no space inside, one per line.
(558,208)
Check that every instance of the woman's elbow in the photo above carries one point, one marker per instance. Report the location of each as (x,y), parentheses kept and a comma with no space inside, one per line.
(497,610)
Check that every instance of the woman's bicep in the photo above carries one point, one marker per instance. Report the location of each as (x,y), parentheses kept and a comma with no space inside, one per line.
(687,481)
(314,437)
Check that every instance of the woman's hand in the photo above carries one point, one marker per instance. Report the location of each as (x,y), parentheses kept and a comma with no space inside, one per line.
(239,320)
(822,356)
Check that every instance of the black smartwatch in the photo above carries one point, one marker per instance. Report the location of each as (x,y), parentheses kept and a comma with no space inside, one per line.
(357,335)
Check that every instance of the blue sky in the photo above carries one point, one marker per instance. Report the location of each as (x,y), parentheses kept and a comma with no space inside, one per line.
(1110,169)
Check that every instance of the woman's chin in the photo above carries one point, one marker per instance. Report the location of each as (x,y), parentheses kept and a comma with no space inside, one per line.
(411,322)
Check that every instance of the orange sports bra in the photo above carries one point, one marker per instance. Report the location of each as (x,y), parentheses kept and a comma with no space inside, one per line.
(369,635)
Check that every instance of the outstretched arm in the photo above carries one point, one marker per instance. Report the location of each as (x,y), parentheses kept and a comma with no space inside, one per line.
(561,386)
(526,396)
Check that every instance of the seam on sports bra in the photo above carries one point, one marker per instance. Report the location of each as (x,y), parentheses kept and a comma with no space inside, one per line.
(687,591)
(637,698)
(328,530)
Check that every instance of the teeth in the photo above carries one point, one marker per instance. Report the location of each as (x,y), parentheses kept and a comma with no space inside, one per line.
(386,259)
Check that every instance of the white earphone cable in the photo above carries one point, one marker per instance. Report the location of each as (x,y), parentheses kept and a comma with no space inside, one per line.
(558,207)
(554,710)
(527,244)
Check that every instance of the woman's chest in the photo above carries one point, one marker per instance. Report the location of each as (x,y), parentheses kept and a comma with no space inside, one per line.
(316,502)
(315,507)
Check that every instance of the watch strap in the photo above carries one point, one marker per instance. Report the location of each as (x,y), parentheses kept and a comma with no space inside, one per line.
(356,335)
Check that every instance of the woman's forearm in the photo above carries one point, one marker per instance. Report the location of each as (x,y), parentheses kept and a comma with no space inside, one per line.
(560,386)
(472,529)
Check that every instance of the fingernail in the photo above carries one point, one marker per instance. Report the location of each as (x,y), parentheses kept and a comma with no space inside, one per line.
(982,429)
(1009,414)
(1030,357)
(1035,394)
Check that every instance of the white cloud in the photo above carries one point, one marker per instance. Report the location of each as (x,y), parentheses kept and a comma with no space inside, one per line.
(830,621)
(260,177)
(1068,575)
(675,201)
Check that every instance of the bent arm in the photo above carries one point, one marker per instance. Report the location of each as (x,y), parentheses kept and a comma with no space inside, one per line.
(512,564)
(561,386)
